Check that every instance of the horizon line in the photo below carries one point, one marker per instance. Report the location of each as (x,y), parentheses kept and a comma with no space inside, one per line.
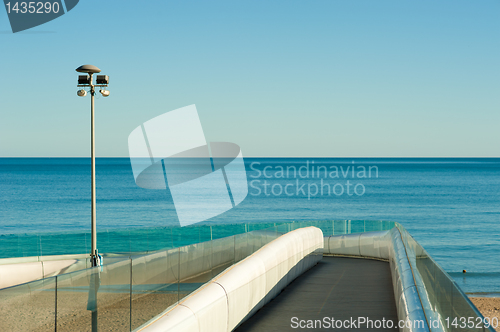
(121,157)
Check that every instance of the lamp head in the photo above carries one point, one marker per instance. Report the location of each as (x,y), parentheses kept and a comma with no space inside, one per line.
(88,69)
(102,80)
(84,80)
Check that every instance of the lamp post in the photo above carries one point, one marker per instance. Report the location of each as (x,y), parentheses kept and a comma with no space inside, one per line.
(87,81)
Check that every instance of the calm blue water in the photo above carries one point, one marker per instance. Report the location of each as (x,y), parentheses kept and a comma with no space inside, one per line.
(451,206)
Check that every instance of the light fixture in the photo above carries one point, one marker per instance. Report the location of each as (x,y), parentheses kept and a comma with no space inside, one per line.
(104,93)
(83,80)
(102,80)
(81,93)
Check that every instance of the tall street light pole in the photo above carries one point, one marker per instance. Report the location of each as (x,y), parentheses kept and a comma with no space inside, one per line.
(87,81)
(95,258)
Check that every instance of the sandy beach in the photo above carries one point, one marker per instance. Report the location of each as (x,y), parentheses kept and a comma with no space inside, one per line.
(37,312)
(489,307)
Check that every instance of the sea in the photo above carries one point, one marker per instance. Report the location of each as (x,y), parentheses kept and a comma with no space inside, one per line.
(451,206)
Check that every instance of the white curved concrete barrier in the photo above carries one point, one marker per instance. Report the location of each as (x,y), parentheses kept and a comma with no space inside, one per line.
(368,244)
(15,274)
(235,294)
(19,270)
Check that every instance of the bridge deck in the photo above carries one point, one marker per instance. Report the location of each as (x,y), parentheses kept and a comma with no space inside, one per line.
(337,287)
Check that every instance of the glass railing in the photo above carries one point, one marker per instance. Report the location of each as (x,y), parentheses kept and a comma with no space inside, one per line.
(124,295)
(154,239)
(117,240)
(341,227)
(446,306)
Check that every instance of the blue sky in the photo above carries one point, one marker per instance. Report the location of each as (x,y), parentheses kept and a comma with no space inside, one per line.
(280,78)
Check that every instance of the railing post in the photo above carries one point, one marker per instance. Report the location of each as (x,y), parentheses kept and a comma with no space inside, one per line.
(55,307)
(178,274)
(211,254)
(130,304)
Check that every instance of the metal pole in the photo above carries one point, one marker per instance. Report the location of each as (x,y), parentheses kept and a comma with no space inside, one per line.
(93,250)
(94,255)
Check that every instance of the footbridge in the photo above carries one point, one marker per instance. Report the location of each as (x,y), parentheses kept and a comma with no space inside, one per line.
(315,275)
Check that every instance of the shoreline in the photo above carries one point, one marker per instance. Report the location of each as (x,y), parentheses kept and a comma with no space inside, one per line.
(488,305)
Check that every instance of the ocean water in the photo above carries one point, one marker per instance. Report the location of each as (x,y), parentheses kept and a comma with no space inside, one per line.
(451,206)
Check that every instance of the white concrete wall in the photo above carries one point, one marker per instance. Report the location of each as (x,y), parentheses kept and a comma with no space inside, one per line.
(19,270)
(368,244)
(15,274)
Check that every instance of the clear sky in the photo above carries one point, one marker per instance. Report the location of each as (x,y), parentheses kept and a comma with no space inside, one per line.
(279,78)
